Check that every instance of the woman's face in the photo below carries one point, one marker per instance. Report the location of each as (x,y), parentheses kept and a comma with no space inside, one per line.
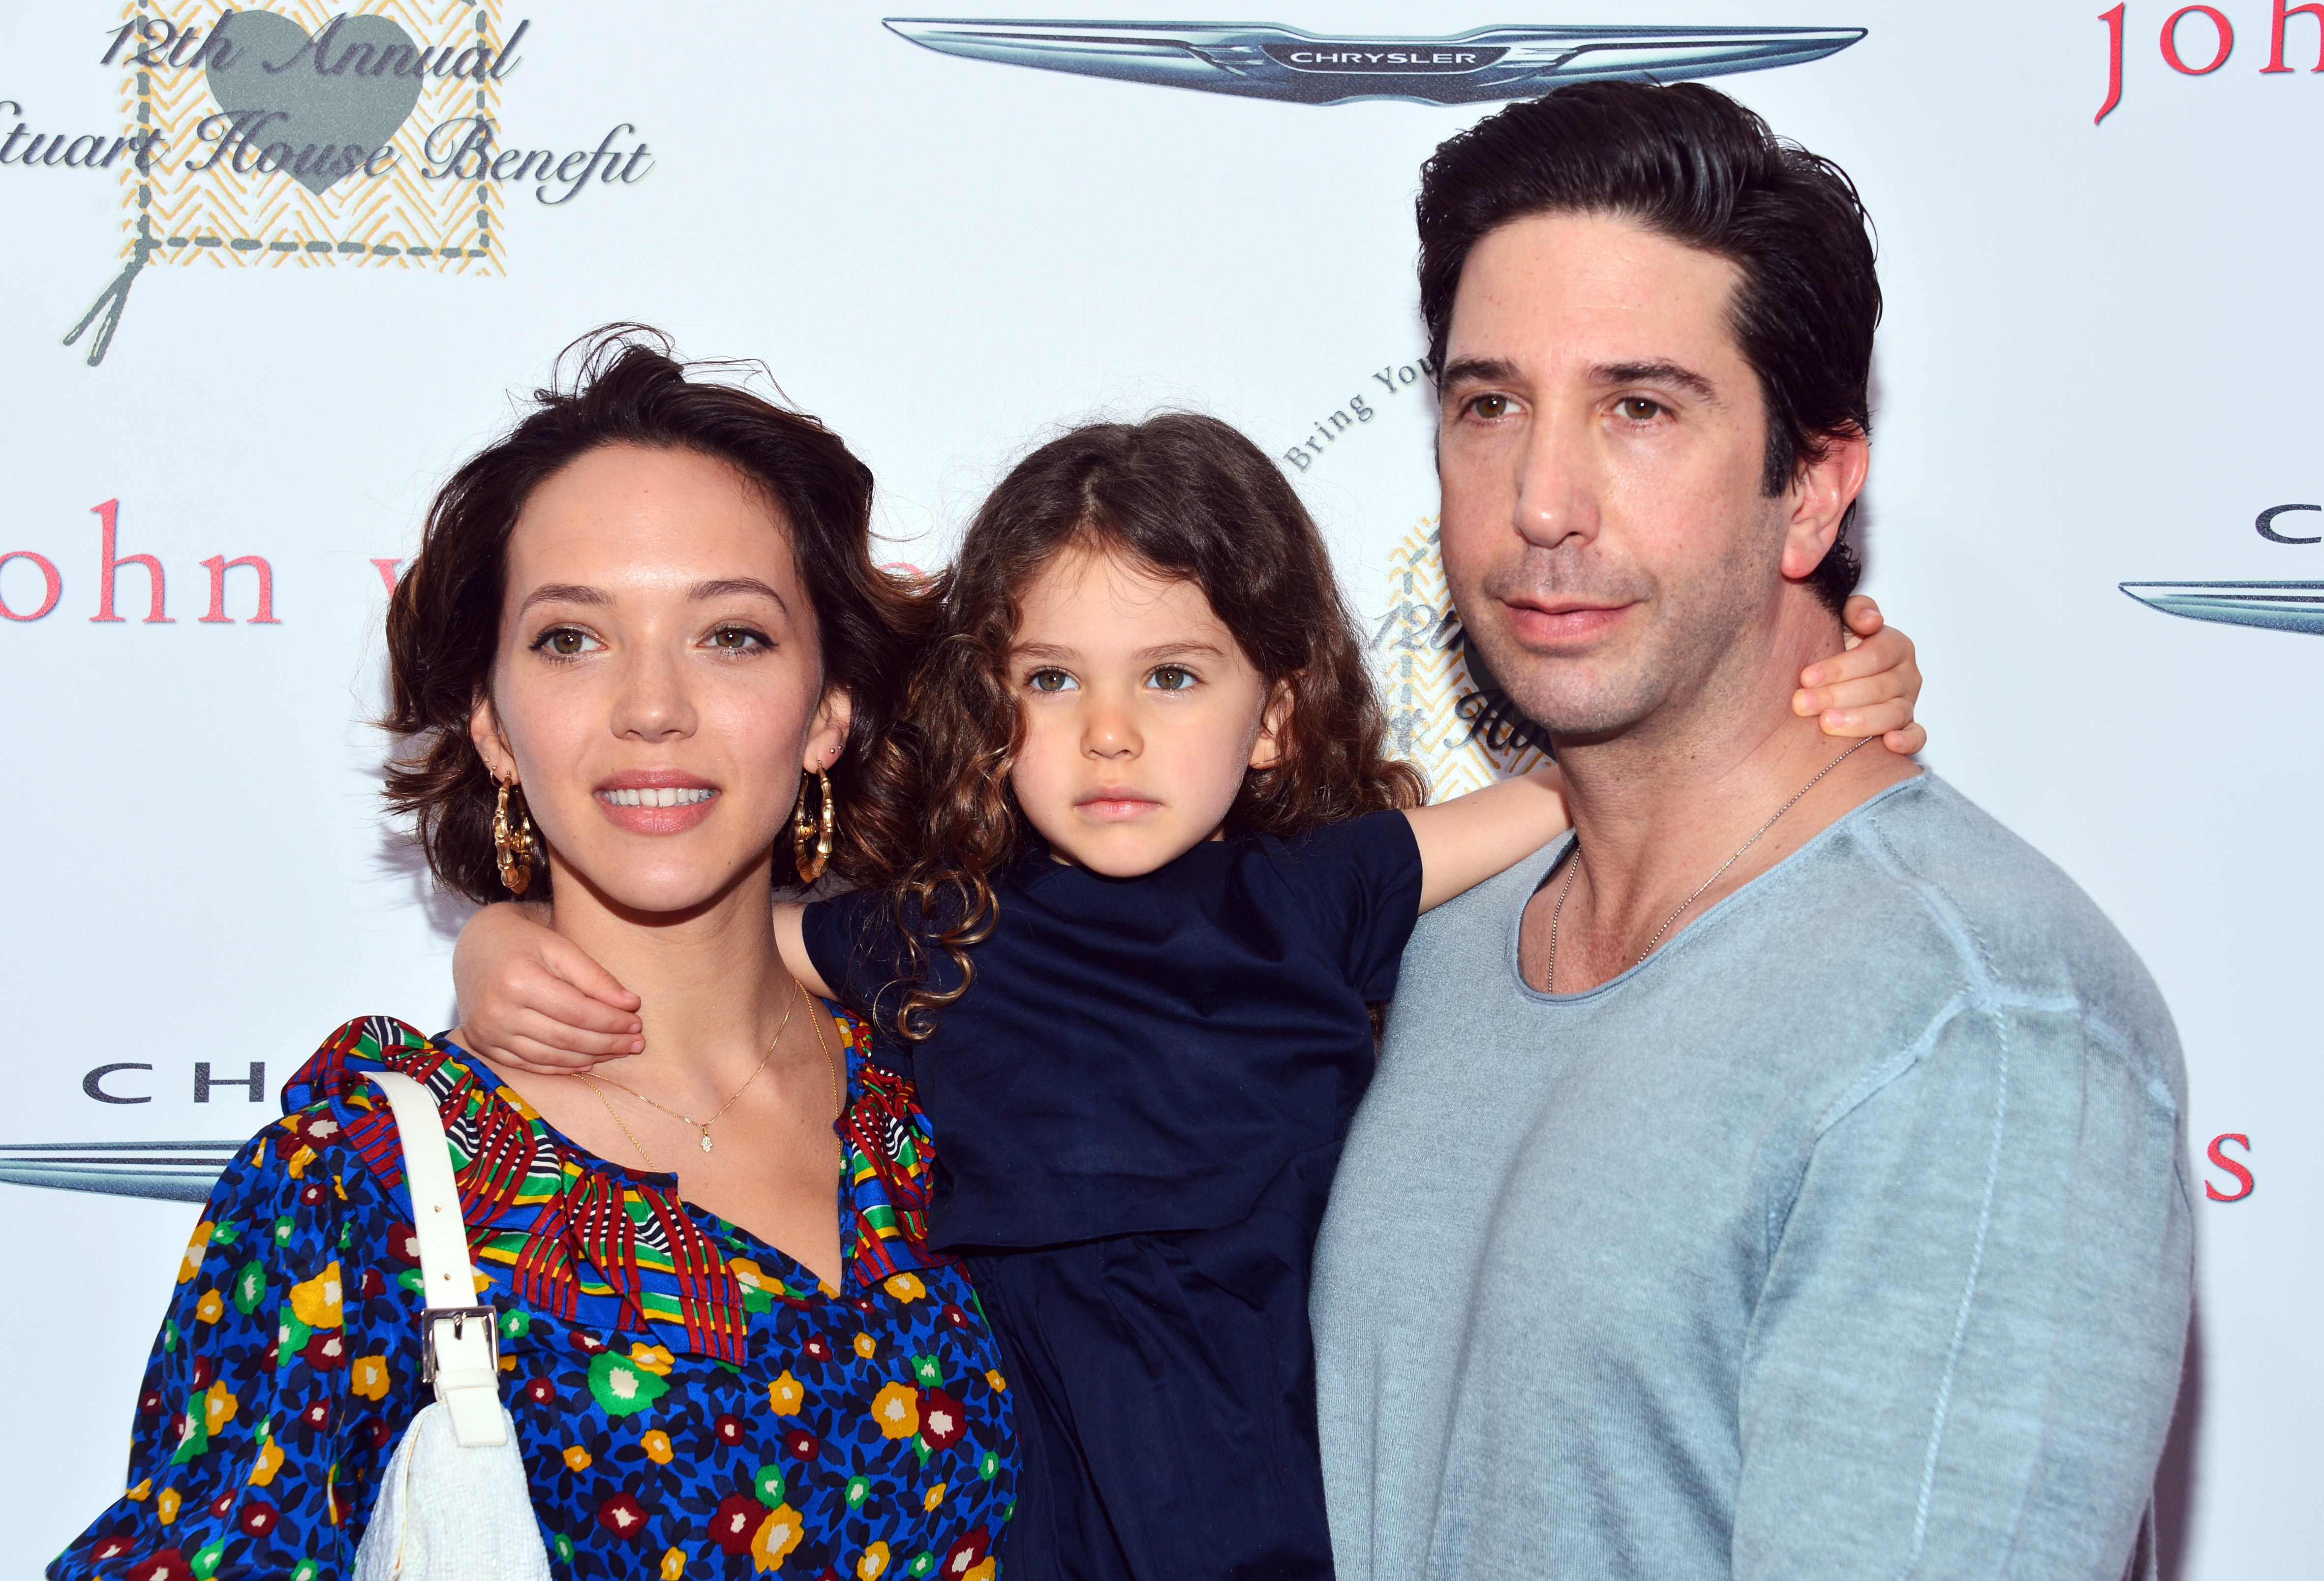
(658,686)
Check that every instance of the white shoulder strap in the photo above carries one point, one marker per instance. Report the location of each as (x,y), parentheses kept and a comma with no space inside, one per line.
(460,1347)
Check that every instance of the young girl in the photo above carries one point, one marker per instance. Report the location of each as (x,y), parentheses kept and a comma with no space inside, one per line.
(1166,872)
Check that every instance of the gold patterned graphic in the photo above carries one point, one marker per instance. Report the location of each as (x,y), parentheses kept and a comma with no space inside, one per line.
(346,155)
(1431,701)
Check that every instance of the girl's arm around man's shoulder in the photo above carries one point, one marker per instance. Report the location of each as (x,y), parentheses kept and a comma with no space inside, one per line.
(1466,840)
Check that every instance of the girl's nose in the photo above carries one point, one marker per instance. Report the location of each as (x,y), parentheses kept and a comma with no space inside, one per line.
(1109,732)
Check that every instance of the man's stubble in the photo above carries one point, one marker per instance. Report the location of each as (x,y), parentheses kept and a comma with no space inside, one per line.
(1689,645)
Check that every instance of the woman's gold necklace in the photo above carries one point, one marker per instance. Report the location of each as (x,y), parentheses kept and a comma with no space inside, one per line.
(838,1092)
(1573,867)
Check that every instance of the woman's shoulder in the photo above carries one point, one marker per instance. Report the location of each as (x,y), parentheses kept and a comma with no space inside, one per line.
(498,1143)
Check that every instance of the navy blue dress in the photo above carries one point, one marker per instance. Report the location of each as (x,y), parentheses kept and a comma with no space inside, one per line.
(1137,1107)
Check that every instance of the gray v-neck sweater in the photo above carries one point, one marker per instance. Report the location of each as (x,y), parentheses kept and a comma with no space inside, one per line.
(1849,1235)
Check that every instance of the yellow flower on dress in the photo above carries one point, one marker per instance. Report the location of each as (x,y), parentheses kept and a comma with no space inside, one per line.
(777,1535)
(369,1377)
(196,1249)
(896,1409)
(297,1168)
(873,1564)
(166,1507)
(210,1307)
(138,1492)
(935,1497)
(865,1348)
(270,1461)
(983,1572)
(905,1286)
(218,1405)
(786,1394)
(576,1458)
(654,1358)
(747,1273)
(316,1302)
(996,1380)
(656,1445)
(673,1565)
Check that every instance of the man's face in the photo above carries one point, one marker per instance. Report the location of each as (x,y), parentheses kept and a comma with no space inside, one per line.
(1600,450)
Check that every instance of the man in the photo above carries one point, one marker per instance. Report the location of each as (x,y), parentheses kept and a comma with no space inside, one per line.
(1784,1178)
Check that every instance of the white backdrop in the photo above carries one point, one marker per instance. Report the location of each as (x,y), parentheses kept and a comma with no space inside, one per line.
(2097,368)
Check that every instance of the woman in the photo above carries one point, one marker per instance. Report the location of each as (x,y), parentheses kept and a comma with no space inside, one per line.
(641,624)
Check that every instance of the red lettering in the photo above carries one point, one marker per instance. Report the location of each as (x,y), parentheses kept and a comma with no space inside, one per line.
(2171,40)
(2221,1161)
(218,565)
(109,563)
(2113,19)
(2284,14)
(386,569)
(56,584)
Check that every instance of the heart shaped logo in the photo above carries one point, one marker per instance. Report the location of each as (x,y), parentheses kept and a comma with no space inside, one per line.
(358,102)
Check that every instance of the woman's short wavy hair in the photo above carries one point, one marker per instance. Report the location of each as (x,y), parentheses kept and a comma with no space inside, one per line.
(623,385)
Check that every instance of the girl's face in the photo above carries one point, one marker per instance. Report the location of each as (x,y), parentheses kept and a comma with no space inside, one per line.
(1141,714)
(658,686)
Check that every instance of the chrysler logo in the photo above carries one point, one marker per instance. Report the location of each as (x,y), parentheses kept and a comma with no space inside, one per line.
(1262,61)
(2277,606)
(173,1171)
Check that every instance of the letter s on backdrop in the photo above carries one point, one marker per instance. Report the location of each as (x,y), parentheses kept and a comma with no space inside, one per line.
(2219,1160)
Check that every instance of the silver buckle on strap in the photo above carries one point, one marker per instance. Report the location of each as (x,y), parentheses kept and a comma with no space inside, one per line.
(459,1318)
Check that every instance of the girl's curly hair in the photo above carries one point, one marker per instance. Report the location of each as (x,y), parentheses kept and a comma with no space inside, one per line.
(1185,497)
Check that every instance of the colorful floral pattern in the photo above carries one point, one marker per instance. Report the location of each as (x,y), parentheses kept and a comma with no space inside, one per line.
(689,1400)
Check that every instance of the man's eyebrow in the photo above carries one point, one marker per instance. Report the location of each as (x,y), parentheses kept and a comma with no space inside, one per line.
(732,587)
(564,593)
(1479,370)
(1669,374)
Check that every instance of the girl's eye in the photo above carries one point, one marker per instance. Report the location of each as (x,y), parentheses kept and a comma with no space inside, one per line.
(1171,677)
(1050,680)
(1639,409)
(738,640)
(563,641)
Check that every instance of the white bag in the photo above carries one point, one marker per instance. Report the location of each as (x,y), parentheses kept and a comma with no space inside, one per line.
(453,1505)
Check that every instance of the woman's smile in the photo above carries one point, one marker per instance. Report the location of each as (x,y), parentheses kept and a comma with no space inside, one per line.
(655,801)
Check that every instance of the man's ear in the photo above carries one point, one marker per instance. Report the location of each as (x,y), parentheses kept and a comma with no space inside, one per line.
(826,732)
(1819,499)
(492,746)
(1267,749)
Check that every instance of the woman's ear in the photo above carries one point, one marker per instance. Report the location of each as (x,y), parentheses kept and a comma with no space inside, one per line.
(826,732)
(1267,749)
(485,731)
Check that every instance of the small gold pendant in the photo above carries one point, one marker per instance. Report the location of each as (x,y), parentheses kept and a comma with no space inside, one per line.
(706,1141)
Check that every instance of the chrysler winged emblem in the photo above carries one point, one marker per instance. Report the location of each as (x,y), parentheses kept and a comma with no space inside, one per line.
(2278,606)
(172,1171)
(1262,61)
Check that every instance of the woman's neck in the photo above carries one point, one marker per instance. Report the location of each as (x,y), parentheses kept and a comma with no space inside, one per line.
(712,981)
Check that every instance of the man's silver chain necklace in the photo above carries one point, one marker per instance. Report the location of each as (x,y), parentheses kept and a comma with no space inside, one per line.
(1574,867)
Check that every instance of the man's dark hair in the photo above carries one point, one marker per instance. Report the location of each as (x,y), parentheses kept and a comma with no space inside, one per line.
(1691,164)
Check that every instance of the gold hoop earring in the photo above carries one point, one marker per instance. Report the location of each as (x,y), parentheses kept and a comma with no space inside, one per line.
(811,837)
(512,840)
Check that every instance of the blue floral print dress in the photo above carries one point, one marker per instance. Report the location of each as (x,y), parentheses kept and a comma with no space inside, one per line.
(690,1400)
